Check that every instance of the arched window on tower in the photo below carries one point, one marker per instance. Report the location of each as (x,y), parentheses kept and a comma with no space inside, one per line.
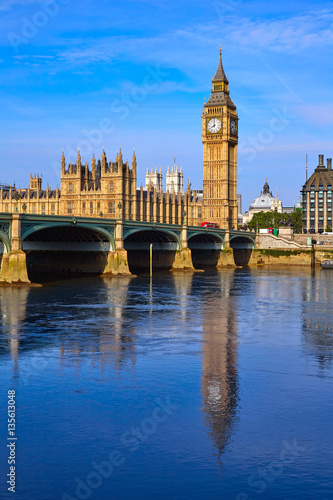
(111,207)
(70,187)
(111,186)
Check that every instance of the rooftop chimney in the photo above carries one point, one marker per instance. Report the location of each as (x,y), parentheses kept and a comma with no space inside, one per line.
(321,160)
(329,163)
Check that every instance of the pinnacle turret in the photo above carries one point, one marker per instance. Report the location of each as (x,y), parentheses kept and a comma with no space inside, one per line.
(220,75)
(134,164)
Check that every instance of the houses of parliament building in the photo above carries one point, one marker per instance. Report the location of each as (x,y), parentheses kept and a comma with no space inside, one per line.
(109,188)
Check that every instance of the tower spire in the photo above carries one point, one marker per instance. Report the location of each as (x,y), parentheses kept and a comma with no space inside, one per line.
(220,75)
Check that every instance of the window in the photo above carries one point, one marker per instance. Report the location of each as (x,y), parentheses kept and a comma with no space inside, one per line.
(70,187)
(43,208)
(329,194)
(111,207)
(320,194)
(70,207)
(53,209)
(312,194)
(111,186)
(91,208)
(84,207)
(98,207)
(6,208)
(33,208)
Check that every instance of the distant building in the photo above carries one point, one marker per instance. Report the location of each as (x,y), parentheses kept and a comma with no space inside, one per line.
(154,179)
(265,202)
(174,180)
(317,198)
(239,203)
(239,209)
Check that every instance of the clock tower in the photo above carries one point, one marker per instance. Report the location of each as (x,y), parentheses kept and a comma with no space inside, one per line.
(220,138)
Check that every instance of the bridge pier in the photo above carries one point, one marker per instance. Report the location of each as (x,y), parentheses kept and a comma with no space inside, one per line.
(183,257)
(227,239)
(117,261)
(226,258)
(14,264)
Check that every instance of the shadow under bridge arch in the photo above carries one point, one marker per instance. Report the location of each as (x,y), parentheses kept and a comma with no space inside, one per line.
(165,244)
(242,247)
(205,249)
(64,251)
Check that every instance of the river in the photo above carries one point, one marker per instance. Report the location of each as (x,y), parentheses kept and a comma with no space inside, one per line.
(189,386)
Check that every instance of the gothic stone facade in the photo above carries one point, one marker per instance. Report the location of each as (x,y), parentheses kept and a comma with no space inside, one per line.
(109,189)
(220,139)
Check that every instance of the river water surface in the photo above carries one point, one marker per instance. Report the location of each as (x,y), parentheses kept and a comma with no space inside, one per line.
(211,385)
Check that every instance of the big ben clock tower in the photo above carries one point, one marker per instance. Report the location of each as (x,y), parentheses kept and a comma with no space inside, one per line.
(220,138)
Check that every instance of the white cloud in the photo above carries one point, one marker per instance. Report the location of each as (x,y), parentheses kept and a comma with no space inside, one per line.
(187,48)
(10,4)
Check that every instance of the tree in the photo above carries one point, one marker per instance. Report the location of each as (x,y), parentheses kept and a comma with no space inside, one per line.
(263,220)
(296,221)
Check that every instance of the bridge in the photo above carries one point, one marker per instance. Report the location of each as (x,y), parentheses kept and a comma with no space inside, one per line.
(35,245)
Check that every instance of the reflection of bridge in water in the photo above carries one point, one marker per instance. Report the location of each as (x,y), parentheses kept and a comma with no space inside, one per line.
(35,245)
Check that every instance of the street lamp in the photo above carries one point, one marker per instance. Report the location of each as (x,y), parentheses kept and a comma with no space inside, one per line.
(17,197)
(119,207)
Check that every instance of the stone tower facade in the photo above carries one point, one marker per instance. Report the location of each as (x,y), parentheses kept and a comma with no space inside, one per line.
(99,190)
(154,178)
(220,139)
(175,180)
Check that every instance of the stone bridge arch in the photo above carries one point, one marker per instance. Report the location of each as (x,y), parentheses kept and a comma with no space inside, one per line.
(65,249)
(205,248)
(242,246)
(137,244)
(103,234)
(4,241)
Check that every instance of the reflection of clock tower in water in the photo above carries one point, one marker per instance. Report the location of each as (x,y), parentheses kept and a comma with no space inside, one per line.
(220,138)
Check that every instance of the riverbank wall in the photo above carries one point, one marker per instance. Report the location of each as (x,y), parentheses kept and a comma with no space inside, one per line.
(274,256)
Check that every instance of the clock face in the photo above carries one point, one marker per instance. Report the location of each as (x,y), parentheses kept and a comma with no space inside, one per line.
(214,125)
(233,126)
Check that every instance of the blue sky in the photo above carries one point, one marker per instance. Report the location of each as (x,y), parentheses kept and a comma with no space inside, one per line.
(134,74)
